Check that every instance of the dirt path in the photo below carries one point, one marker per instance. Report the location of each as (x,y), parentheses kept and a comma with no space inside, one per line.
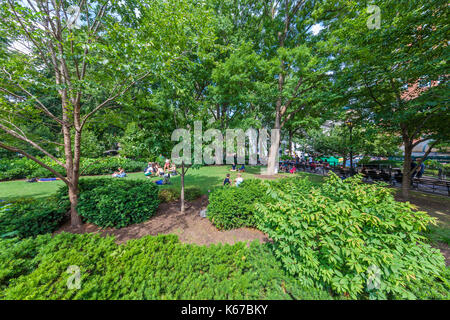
(436,206)
(190,227)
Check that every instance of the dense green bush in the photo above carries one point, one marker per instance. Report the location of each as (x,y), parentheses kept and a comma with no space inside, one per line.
(334,235)
(192,193)
(109,165)
(28,217)
(233,207)
(168,195)
(147,268)
(11,169)
(117,202)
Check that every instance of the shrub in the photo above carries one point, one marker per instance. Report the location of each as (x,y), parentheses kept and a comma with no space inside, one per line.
(118,202)
(28,217)
(233,207)
(147,268)
(24,168)
(168,195)
(343,234)
(192,193)
(84,185)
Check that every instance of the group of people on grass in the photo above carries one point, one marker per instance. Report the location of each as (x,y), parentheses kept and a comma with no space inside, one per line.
(155,170)
(228,182)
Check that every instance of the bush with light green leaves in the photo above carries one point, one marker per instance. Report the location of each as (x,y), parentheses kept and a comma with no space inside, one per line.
(351,238)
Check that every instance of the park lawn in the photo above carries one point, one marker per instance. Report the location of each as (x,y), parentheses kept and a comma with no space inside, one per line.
(205,178)
(208,177)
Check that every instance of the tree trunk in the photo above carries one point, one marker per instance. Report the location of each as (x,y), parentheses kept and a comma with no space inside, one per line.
(75,220)
(290,142)
(406,179)
(344,159)
(272,164)
(182,187)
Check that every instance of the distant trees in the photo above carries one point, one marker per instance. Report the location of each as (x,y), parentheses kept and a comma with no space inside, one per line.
(375,67)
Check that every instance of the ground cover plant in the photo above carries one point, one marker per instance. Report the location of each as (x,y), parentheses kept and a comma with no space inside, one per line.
(148,268)
(342,235)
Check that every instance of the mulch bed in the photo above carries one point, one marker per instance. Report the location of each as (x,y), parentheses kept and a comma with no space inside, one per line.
(269,177)
(190,227)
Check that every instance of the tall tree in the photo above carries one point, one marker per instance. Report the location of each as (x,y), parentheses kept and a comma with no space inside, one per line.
(395,74)
(87,54)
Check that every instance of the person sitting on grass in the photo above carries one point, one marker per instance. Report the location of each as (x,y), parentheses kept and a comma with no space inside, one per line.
(167,165)
(293,169)
(120,173)
(149,170)
(173,169)
(233,167)
(242,168)
(239,180)
(227,180)
(160,171)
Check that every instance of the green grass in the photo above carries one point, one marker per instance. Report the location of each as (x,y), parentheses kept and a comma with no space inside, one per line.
(206,178)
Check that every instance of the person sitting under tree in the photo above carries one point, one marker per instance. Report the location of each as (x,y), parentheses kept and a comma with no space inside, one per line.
(227,180)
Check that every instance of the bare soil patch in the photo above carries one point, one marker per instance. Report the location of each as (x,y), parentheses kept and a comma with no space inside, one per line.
(269,177)
(190,227)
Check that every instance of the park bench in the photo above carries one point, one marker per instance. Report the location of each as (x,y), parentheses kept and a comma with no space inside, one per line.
(432,182)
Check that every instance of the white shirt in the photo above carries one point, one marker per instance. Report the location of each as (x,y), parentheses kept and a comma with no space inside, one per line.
(239,181)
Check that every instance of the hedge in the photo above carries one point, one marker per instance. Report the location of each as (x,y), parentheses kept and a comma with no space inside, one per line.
(11,169)
(110,202)
(233,207)
(28,218)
